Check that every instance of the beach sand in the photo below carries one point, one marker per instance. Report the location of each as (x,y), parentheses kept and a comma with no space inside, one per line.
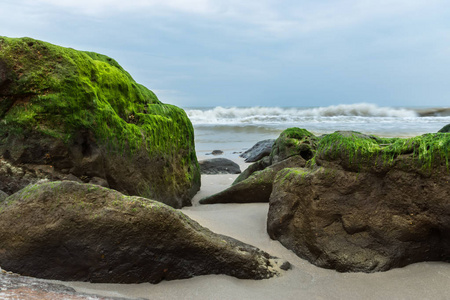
(247,222)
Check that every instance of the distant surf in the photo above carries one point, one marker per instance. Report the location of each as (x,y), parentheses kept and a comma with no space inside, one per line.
(237,127)
(257,115)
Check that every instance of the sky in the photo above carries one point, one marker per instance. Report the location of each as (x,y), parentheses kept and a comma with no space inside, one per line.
(283,53)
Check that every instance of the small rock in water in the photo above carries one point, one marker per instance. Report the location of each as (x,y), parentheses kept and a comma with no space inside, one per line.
(217,152)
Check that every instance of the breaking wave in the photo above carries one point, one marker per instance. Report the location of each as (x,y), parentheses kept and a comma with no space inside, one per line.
(277,115)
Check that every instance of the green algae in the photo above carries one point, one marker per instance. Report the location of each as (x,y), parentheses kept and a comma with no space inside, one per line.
(294,141)
(60,92)
(361,151)
(357,151)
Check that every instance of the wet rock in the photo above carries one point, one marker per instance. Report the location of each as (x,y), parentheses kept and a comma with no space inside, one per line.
(219,166)
(258,151)
(83,232)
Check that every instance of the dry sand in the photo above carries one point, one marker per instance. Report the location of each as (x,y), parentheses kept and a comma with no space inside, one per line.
(247,222)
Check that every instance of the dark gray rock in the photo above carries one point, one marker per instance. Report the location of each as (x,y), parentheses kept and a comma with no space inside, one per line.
(258,151)
(219,166)
(83,232)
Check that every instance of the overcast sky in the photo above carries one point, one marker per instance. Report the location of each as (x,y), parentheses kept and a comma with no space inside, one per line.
(258,53)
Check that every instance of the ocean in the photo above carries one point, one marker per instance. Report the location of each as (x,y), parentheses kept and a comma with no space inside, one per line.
(234,129)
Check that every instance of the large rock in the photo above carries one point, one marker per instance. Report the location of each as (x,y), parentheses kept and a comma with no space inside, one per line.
(67,113)
(293,141)
(257,187)
(219,166)
(258,151)
(83,232)
(366,204)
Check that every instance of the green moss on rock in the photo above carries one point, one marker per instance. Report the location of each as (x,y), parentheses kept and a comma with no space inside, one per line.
(58,92)
(357,151)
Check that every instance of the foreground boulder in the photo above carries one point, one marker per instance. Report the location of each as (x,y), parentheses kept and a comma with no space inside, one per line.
(84,232)
(219,166)
(68,114)
(366,204)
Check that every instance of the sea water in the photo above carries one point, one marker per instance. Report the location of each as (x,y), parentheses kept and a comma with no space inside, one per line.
(234,129)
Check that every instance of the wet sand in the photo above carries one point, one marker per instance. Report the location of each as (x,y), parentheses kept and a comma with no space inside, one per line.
(247,222)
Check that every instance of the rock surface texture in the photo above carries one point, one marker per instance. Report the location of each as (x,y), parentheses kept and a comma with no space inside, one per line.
(366,204)
(83,232)
(68,114)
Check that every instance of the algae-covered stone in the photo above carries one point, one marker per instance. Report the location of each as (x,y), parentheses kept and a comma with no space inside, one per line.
(293,141)
(365,203)
(84,232)
(82,114)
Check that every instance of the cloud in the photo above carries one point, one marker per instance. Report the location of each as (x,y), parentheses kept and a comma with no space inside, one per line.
(278,19)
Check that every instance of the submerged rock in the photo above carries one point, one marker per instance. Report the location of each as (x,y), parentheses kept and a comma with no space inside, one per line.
(67,113)
(83,232)
(219,166)
(366,204)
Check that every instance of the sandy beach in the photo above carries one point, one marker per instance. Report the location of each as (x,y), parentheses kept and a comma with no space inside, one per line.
(247,222)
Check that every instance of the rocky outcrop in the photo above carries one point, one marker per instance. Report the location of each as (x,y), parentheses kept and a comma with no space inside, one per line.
(219,166)
(258,151)
(366,204)
(84,232)
(79,115)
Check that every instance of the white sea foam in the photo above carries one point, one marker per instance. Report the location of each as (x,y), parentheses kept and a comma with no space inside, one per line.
(276,115)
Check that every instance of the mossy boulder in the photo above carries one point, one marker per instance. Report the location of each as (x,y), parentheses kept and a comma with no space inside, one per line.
(83,232)
(366,204)
(82,114)
(293,141)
